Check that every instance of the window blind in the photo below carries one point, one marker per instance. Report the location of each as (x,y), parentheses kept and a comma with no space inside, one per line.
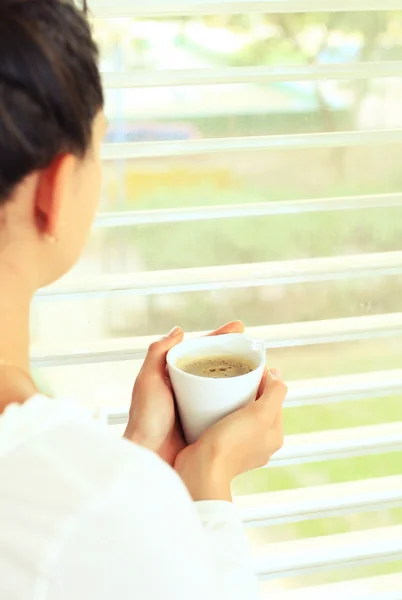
(159,8)
(294,558)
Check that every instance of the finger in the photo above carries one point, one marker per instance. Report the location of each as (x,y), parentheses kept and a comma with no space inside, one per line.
(274,384)
(262,384)
(275,373)
(155,360)
(271,400)
(232,327)
(279,418)
(277,428)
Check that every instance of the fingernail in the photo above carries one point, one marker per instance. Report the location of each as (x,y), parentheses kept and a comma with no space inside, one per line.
(275,373)
(174,332)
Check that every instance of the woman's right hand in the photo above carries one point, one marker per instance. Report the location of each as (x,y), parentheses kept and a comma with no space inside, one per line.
(242,441)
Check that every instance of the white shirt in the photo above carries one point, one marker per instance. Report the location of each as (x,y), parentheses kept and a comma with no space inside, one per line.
(85,515)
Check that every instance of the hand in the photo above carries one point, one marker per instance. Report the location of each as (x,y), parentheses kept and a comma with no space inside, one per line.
(242,441)
(153,419)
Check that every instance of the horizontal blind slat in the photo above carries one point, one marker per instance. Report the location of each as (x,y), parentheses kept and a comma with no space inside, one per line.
(276,336)
(317,502)
(339,444)
(168,8)
(382,587)
(229,276)
(144,78)
(345,388)
(184,214)
(343,139)
(313,555)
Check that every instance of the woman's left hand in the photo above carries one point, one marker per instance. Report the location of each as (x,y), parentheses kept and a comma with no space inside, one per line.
(153,419)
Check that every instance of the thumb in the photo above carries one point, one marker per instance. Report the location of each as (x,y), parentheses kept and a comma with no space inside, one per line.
(155,360)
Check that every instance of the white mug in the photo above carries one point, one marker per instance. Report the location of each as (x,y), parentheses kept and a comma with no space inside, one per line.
(202,401)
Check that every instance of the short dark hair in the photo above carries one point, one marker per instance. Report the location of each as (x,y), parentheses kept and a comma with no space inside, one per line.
(50,86)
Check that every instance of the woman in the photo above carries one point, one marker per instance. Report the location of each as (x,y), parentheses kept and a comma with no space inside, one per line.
(82,514)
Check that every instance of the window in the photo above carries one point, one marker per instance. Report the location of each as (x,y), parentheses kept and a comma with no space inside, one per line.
(253,171)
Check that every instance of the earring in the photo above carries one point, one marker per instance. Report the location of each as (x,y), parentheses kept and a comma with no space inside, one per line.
(50,239)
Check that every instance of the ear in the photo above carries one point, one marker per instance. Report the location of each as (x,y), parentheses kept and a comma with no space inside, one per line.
(52,191)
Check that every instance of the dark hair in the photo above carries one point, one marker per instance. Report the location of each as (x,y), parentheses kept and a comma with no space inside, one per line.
(50,86)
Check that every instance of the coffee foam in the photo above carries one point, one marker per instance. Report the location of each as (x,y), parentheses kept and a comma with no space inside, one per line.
(216,367)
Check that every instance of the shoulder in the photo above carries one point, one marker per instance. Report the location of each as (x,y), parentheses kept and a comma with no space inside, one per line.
(70,457)
(103,458)
(83,503)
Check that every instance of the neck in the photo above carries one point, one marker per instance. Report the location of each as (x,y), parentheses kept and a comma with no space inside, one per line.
(15,299)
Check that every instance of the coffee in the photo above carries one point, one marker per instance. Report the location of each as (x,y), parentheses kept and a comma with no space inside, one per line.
(216,367)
